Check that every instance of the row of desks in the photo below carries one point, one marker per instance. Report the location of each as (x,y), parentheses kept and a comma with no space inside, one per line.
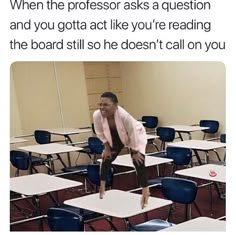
(66,132)
(29,185)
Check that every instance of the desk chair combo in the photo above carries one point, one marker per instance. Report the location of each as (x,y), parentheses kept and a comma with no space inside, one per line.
(166,135)
(213,127)
(177,190)
(44,137)
(20,160)
(182,157)
(74,218)
(93,150)
(150,123)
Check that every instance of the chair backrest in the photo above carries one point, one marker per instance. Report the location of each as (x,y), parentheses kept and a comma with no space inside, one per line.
(179,190)
(150,121)
(223,138)
(212,124)
(180,156)
(60,219)
(42,136)
(93,175)
(19,159)
(166,134)
(95,145)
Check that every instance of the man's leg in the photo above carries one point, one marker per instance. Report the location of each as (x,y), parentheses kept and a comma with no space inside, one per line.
(142,179)
(105,167)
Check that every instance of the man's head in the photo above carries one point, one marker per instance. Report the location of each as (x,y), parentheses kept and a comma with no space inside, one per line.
(108,104)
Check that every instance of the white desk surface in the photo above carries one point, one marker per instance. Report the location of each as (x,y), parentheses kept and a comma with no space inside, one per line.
(48,149)
(40,183)
(117,203)
(198,144)
(186,128)
(126,160)
(198,224)
(15,140)
(68,131)
(149,137)
(203,171)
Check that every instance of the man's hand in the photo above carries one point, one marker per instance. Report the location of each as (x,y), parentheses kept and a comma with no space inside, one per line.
(106,154)
(138,158)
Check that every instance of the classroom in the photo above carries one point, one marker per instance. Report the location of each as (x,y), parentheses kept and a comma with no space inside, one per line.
(65,94)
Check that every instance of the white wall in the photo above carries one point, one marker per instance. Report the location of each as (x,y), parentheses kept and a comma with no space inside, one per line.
(176,92)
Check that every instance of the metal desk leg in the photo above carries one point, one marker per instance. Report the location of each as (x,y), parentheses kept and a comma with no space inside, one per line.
(30,163)
(180,136)
(38,210)
(197,156)
(68,140)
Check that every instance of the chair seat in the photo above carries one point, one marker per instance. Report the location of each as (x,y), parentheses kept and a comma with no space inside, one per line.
(38,160)
(151,226)
(78,168)
(155,182)
(158,154)
(87,214)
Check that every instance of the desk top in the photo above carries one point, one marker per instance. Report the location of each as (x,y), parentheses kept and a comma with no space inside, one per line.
(203,171)
(16,140)
(187,128)
(40,183)
(48,149)
(126,160)
(117,203)
(198,144)
(68,131)
(198,224)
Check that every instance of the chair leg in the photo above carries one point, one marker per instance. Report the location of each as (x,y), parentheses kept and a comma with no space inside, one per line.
(197,208)
(155,145)
(217,154)
(188,212)
(169,213)
(60,159)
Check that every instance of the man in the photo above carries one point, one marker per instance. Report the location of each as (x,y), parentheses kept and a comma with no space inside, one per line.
(116,128)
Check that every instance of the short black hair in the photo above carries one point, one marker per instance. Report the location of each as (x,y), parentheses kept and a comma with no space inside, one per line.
(111,96)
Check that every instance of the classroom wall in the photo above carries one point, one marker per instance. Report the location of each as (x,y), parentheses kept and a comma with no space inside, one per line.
(176,92)
(48,95)
(38,101)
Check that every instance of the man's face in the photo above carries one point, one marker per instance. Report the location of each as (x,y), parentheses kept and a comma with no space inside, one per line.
(107,107)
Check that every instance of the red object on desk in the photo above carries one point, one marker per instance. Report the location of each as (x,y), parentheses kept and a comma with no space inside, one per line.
(212,173)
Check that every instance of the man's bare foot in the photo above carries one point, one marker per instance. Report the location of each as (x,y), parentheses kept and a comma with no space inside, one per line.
(145,197)
(102,189)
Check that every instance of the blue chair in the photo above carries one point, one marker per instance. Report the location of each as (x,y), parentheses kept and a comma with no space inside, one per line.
(44,137)
(150,123)
(166,135)
(178,190)
(182,157)
(213,127)
(61,219)
(20,160)
(93,176)
(223,140)
(181,191)
(93,149)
